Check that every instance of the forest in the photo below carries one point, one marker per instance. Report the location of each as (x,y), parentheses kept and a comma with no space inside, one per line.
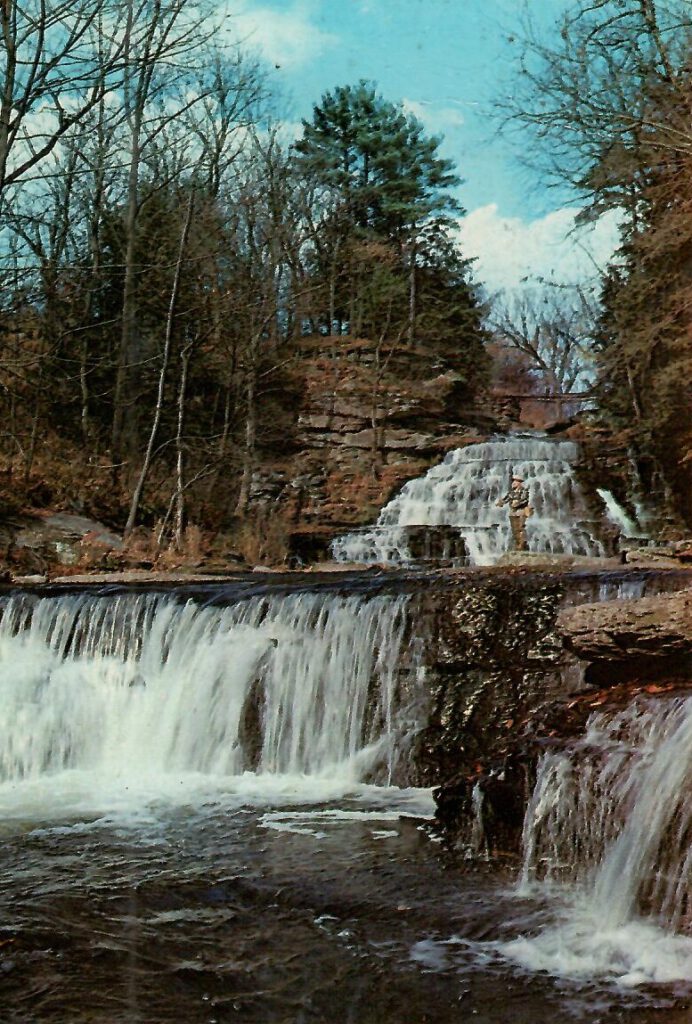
(169,245)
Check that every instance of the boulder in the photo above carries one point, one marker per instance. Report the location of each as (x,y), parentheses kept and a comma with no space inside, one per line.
(62,538)
(659,626)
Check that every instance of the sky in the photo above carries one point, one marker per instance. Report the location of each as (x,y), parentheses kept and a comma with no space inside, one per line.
(446,61)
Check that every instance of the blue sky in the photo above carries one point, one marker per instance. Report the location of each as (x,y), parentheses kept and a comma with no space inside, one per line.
(446,60)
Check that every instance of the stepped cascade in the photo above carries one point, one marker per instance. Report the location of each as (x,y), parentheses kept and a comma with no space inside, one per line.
(144,685)
(463,491)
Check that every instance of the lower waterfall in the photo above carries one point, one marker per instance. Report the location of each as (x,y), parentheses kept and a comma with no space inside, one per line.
(463,492)
(147,689)
(203,817)
(608,831)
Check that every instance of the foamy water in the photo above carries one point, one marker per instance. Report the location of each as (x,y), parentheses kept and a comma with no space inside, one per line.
(463,492)
(607,834)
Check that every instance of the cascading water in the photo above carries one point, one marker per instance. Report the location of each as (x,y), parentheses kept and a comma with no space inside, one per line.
(144,688)
(610,825)
(463,492)
(625,523)
(190,827)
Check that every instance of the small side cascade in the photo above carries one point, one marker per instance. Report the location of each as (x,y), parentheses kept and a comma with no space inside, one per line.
(463,493)
(614,812)
(626,524)
(297,684)
(478,845)
(609,826)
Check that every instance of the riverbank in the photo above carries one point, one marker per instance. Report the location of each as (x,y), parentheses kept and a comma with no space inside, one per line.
(510,565)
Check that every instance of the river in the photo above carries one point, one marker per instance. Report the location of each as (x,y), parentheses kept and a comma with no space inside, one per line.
(177,846)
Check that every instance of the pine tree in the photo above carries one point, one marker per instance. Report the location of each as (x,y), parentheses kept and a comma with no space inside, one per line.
(384,188)
(377,159)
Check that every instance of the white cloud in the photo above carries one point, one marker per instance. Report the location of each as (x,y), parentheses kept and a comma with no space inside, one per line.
(288,38)
(435,118)
(513,253)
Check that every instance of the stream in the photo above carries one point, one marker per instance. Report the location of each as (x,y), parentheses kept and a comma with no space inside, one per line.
(199,824)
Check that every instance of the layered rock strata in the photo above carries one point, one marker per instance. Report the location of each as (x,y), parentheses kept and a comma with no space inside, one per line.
(521,664)
(369,420)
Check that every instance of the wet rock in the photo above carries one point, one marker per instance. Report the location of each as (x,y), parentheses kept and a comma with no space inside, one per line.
(649,555)
(494,654)
(504,682)
(436,544)
(543,560)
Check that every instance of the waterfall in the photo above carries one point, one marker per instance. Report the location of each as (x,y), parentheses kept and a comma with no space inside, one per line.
(463,492)
(610,823)
(143,686)
(627,526)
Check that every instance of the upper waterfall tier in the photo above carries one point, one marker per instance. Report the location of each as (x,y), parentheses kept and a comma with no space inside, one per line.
(299,684)
(463,492)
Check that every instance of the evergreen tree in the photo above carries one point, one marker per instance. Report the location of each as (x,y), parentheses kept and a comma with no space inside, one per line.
(450,314)
(377,159)
(384,189)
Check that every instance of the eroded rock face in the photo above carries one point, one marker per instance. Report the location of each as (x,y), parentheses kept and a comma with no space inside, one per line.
(494,656)
(363,429)
(659,626)
(516,664)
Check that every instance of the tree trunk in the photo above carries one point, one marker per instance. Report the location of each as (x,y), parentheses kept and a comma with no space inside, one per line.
(179,450)
(146,464)
(411,332)
(250,440)
(121,395)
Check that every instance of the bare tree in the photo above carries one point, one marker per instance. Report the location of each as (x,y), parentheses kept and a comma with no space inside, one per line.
(590,94)
(554,328)
(57,62)
(162,44)
(163,371)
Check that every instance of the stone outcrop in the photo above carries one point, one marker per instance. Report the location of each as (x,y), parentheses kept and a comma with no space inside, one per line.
(37,542)
(612,460)
(659,626)
(368,421)
(493,657)
(519,662)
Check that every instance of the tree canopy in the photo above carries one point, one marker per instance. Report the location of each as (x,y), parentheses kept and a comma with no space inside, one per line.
(609,104)
(376,159)
(172,252)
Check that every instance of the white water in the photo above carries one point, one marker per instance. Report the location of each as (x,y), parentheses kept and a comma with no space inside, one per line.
(627,526)
(112,702)
(609,831)
(463,491)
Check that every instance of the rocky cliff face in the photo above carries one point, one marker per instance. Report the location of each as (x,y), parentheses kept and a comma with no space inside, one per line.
(369,420)
(611,460)
(515,663)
